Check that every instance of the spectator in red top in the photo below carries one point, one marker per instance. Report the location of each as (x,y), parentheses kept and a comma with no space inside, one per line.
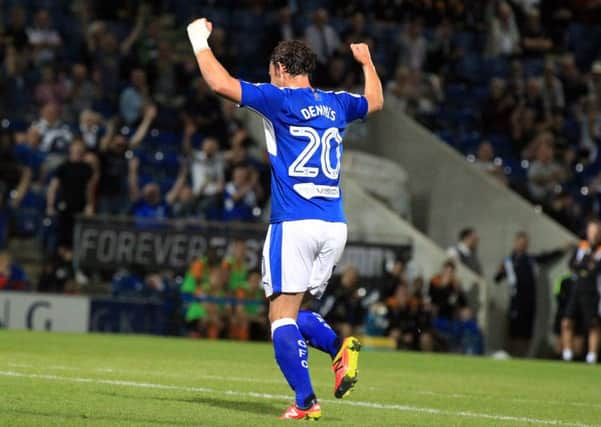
(12,276)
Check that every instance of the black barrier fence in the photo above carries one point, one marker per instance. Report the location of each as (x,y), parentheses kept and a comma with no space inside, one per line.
(109,243)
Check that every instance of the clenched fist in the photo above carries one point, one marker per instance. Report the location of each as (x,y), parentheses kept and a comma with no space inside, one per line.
(198,33)
(361,53)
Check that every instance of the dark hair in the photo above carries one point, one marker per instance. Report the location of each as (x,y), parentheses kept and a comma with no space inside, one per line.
(449,263)
(463,234)
(295,56)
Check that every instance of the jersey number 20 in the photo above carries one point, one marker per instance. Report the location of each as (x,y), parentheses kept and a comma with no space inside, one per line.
(299,167)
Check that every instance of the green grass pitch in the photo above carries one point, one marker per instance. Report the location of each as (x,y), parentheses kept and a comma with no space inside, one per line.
(104,380)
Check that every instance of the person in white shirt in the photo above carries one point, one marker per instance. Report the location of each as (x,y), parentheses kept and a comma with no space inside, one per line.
(44,39)
(321,37)
(207,173)
(503,33)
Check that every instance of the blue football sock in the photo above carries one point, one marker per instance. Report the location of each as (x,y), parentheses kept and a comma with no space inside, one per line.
(318,333)
(291,354)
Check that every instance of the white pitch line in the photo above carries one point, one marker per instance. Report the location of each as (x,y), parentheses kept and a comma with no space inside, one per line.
(373,405)
(512,399)
(267,381)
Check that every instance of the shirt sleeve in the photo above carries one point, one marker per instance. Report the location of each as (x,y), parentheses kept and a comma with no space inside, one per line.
(355,106)
(265,98)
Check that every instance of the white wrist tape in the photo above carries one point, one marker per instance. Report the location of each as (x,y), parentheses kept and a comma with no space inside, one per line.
(198,33)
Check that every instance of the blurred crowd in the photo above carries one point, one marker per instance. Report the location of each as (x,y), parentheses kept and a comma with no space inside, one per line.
(222,297)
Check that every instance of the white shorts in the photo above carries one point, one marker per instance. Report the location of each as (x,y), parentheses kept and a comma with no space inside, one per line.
(301,255)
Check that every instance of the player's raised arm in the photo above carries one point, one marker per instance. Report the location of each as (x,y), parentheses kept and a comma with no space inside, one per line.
(217,77)
(373,86)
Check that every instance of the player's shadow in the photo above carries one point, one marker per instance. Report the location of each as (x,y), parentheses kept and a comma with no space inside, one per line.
(254,407)
(260,408)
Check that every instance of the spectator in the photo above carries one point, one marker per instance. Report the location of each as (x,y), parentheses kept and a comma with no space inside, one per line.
(399,90)
(566,210)
(535,41)
(82,90)
(520,270)
(341,304)
(356,32)
(408,323)
(71,192)
(16,174)
(255,312)
(15,32)
(16,83)
(321,37)
(584,299)
(503,33)
(446,294)
(134,98)
(90,129)
(393,278)
(207,173)
(248,319)
(442,51)
(486,162)
(51,89)
(594,83)
(552,90)
(516,82)
(542,138)
(524,132)
(44,39)
(204,316)
(497,108)
(199,270)
(423,92)
(55,135)
(203,110)
(57,275)
(453,320)
(533,98)
(574,84)
(12,275)
(545,174)
(216,311)
(166,78)
(239,198)
(464,250)
(148,202)
(112,191)
(236,266)
(282,30)
(413,46)
(590,128)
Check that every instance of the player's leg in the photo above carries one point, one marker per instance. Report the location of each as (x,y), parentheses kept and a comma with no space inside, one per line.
(594,336)
(285,297)
(345,361)
(290,347)
(590,303)
(318,333)
(567,327)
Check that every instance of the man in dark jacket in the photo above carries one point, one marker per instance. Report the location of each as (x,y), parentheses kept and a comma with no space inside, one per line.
(520,270)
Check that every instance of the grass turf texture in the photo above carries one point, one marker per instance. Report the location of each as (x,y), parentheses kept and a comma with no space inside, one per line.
(63,380)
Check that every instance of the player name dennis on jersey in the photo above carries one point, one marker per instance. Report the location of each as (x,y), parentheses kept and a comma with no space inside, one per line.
(318,110)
